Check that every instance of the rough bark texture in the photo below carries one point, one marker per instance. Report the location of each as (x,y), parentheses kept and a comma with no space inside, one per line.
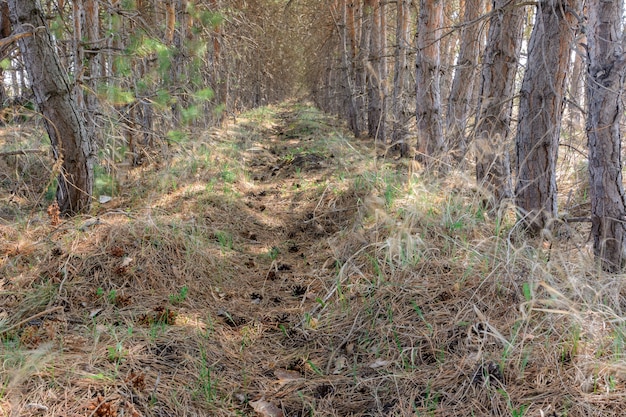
(541,109)
(362,62)
(351,24)
(500,62)
(576,94)
(70,143)
(430,143)
(382,72)
(464,78)
(605,86)
(92,65)
(5,32)
(449,45)
(374,84)
(346,68)
(170,21)
(400,80)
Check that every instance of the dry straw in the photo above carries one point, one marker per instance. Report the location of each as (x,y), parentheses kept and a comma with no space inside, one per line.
(276,264)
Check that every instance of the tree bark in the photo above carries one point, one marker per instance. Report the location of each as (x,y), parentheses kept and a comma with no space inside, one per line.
(542,99)
(170,21)
(93,65)
(351,8)
(346,68)
(362,62)
(430,142)
(375,116)
(5,32)
(500,62)
(70,144)
(576,93)
(449,46)
(605,86)
(400,79)
(383,72)
(77,52)
(464,78)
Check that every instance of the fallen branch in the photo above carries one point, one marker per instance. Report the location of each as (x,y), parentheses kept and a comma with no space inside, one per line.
(577,219)
(36,316)
(22,152)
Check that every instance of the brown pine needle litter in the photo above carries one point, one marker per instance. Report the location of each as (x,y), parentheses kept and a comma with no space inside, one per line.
(276,268)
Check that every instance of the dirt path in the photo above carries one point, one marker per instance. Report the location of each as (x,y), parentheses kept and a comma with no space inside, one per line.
(275,268)
(293,207)
(189,293)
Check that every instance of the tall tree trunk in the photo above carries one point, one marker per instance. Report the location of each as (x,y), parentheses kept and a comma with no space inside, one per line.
(362,62)
(70,144)
(78,19)
(375,82)
(398,102)
(113,43)
(216,63)
(605,86)
(170,21)
(351,9)
(430,142)
(449,46)
(383,72)
(5,32)
(464,79)
(576,93)
(500,62)
(179,77)
(541,109)
(93,67)
(346,67)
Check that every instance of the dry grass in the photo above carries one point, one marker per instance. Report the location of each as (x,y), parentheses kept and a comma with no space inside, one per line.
(277,261)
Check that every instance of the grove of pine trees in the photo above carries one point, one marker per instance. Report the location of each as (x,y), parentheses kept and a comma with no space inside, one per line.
(487,77)
(448,83)
(296,208)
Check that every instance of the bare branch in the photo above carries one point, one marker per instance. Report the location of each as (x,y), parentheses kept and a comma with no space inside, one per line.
(22,152)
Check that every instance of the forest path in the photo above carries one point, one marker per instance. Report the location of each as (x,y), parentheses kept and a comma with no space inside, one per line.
(277,268)
(193,290)
(293,198)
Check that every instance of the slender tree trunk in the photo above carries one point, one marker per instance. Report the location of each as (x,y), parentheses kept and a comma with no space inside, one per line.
(114,42)
(398,102)
(430,141)
(216,62)
(374,84)
(78,52)
(170,21)
(542,99)
(5,31)
(346,68)
(576,93)
(179,78)
(500,62)
(351,25)
(362,62)
(383,72)
(70,144)
(464,79)
(605,86)
(93,65)
(449,45)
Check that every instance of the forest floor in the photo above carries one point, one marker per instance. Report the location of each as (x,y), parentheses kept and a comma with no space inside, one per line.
(278,267)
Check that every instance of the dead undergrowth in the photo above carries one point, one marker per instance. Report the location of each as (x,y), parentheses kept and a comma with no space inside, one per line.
(275,267)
